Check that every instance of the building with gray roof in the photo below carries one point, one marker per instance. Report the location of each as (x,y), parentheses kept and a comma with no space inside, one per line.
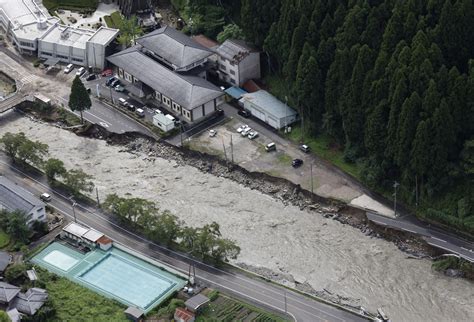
(8,292)
(32,30)
(30,301)
(14,197)
(187,96)
(237,62)
(174,49)
(269,109)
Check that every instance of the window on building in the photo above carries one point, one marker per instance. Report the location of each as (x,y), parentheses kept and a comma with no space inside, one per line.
(62,56)
(232,72)
(222,66)
(128,77)
(78,60)
(27,44)
(44,53)
(120,72)
(232,81)
(158,96)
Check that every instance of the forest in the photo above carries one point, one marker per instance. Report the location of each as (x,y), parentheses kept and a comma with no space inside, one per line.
(390,82)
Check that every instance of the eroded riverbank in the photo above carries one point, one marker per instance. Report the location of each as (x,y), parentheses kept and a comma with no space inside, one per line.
(297,246)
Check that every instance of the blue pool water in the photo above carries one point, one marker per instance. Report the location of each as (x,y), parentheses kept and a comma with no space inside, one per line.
(122,278)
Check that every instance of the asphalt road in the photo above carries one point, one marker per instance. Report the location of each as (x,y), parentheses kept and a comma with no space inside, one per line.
(431,235)
(261,293)
(407,222)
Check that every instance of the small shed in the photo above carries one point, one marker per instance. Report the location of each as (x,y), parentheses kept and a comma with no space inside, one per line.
(4,261)
(104,242)
(183,315)
(196,302)
(134,314)
(163,122)
(269,109)
(74,231)
(91,237)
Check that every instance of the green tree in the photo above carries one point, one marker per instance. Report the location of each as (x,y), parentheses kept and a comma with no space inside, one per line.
(134,211)
(15,271)
(4,317)
(16,226)
(231,31)
(130,30)
(19,148)
(224,249)
(78,182)
(79,99)
(11,143)
(53,168)
(165,229)
(409,118)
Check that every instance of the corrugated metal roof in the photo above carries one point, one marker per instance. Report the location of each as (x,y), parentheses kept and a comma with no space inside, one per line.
(76,229)
(174,47)
(234,50)
(188,91)
(92,235)
(14,197)
(266,101)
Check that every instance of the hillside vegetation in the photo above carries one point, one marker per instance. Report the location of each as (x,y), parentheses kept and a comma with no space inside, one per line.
(392,82)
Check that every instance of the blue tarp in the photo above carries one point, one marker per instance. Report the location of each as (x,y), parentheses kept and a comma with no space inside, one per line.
(235,92)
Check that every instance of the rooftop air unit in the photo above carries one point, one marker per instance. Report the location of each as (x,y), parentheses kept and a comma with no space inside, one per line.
(42,24)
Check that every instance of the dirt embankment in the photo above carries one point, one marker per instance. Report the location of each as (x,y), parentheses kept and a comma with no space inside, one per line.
(279,188)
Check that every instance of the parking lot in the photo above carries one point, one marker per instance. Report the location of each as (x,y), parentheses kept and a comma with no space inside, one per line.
(251,154)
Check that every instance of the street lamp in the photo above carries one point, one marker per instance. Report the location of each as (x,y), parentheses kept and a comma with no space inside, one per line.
(395,186)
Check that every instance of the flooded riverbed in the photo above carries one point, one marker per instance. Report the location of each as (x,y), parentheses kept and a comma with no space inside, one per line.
(322,252)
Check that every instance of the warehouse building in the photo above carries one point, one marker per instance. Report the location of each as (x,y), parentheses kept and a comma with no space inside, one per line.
(33,31)
(269,109)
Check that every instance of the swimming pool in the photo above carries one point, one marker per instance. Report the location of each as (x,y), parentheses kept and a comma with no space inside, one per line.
(114,273)
(123,278)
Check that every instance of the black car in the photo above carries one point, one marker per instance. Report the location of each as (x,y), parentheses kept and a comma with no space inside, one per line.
(296,163)
(244,113)
(115,83)
(110,81)
(91,77)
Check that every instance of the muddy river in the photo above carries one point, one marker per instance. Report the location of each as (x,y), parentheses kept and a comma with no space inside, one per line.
(321,252)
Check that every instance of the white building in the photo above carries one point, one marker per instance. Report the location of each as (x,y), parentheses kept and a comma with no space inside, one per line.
(14,197)
(269,109)
(33,31)
(166,124)
(237,62)
(87,236)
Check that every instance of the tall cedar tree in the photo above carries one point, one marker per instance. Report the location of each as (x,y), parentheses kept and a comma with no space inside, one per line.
(79,99)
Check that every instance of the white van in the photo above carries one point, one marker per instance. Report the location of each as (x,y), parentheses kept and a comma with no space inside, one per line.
(68,68)
(140,112)
(122,101)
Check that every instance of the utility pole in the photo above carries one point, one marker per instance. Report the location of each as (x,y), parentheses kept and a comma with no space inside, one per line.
(395,186)
(97,195)
(286,113)
(231,149)
(74,211)
(225,153)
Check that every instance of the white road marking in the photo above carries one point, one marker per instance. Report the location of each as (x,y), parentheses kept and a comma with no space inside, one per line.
(441,240)
(181,255)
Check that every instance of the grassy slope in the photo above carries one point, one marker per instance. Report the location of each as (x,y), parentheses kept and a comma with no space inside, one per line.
(76,303)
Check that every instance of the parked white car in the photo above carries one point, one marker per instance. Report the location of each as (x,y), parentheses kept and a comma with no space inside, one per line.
(245,132)
(68,68)
(80,71)
(212,133)
(241,128)
(252,135)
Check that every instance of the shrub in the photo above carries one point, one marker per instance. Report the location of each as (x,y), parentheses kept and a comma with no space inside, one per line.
(14,272)
(213,295)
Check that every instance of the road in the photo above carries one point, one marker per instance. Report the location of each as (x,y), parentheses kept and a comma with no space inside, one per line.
(431,235)
(264,294)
